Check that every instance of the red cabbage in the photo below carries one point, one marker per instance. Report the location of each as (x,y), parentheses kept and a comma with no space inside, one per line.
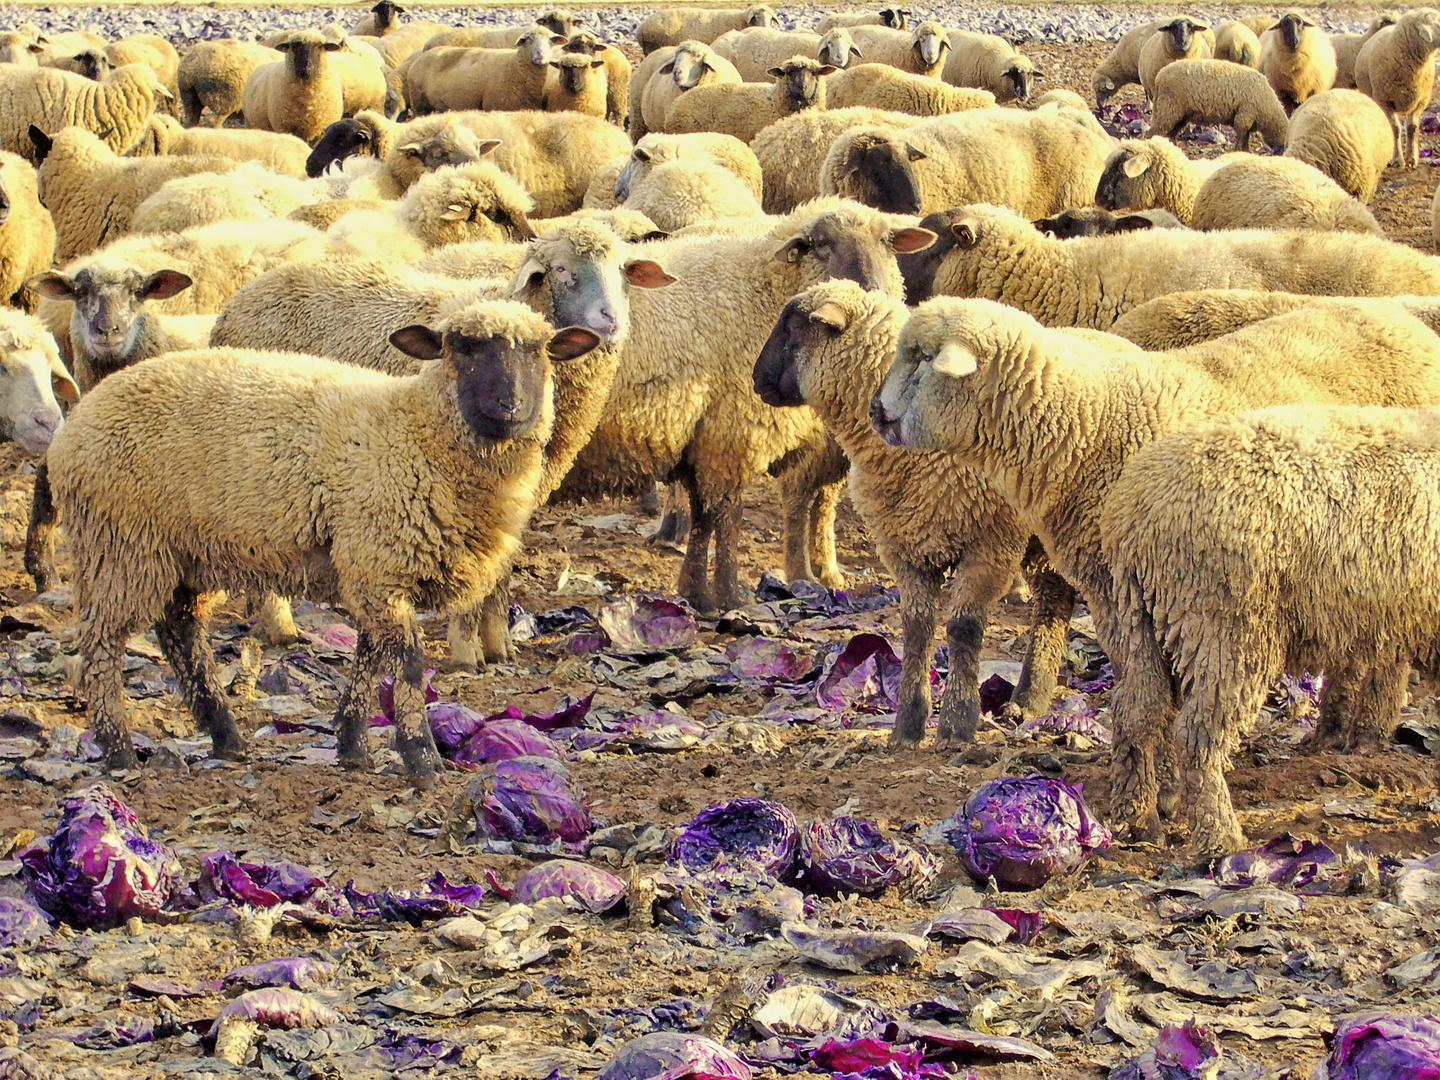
(647,624)
(1187,1052)
(1384,1046)
(740,834)
(224,877)
(863,675)
(872,1059)
(995,694)
(766,660)
(21,922)
(1305,866)
(386,693)
(529,799)
(673,1055)
(438,899)
(501,738)
(452,724)
(298,972)
(849,855)
(589,886)
(280,1008)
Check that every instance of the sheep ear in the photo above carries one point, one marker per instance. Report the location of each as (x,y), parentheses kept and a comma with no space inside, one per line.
(333,46)
(905,241)
(1044,225)
(1132,223)
(529,278)
(597,63)
(914,154)
(964,234)
(653,234)
(955,360)
(666,68)
(556,64)
(409,149)
(62,384)
(776,73)
(572,342)
(828,69)
(646,274)
(52,285)
(556,39)
(418,341)
(1134,166)
(793,250)
(455,212)
(832,316)
(855,51)
(35,48)
(486,146)
(640,154)
(1276,26)
(163,284)
(43,143)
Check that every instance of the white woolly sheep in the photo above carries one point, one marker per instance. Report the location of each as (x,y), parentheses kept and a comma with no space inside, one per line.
(618,71)
(743,109)
(1347,47)
(891,17)
(674,72)
(32,378)
(1278,193)
(679,194)
(600,194)
(880,86)
(671,26)
(379,20)
(488,260)
(1175,39)
(27,232)
(301,95)
(247,192)
(1396,67)
(117,109)
(452,78)
(426,518)
(707,146)
(922,51)
(1217,92)
(154,52)
(396,46)
(1141,174)
(80,52)
(211,78)
(791,151)
(280,153)
(837,47)
(1236,42)
(1122,66)
(1346,136)
(20,49)
(755,50)
(989,62)
(1297,59)
(577,84)
(1067,98)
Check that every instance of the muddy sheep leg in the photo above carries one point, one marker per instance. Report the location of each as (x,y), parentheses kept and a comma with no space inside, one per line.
(796,505)
(978,584)
(1359,704)
(403,645)
(351,715)
(823,558)
(1223,698)
(919,591)
(694,583)
(1054,604)
(40,533)
(102,679)
(727,513)
(495,622)
(181,632)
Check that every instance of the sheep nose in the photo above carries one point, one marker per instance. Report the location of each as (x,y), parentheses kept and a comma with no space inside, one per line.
(47,421)
(604,321)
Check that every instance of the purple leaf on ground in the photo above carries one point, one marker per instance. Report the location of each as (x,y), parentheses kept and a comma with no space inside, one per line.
(297,972)
(673,1055)
(646,624)
(1383,1046)
(501,738)
(280,1008)
(1304,866)
(863,675)
(1186,1052)
(224,877)
(21,922)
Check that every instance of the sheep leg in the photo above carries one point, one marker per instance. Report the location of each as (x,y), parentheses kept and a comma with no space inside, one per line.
(495,622)
(1141,708)
(1358,705)
(919,590)
(406,650)
(102,674)
(694,583)
(727,514)
(40,533)
(797,503)
(351,723)
(1220,703)
(1055,601)
(822,535)
(977,585)
(276,622)
(1397,158)
(1412,127)
(190,105)
(181,631)
(674,524)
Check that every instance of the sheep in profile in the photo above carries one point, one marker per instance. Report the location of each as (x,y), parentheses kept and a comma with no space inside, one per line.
(989,62)
(923,51)
(791,151)
(32,378)
(211,78)
(1236,42)
(453,78)
(155,53)
(1217,92)
(1093,221)
(1347,48)
(743,109)
(1121,67)
(708,146)
(117,110)
(1396,67)
(755,50)
(1174,39)
(880,86)
(1346,136)
(1297,59)
(891,17)
(27,232)
(671,26)
(1142,174)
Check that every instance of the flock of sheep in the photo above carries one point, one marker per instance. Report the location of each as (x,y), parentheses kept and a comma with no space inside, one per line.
(442,275)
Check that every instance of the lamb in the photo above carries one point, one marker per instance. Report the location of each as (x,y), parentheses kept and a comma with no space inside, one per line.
(117,109)
(1345,135)
(791,151)
(211,78)
(300,95)
(880,86)
(1217,92)
(32,378)
(930,517)
(742,110)
(452,78)
(670,26)
(427,517)
(891,17)
(1236,42)
(1093,221)
(247,192)
(283,154)
(1297,59)
(1141,174)
(755,50)
(989,62)
(617,71)
(1396,67)
(666,74)
(922,51)
(1264,488)
(1101,404)
(578,85)
(997,255)
(1038,162)
(1174,39)
(379,20)
(708,146)
(679,194)
(1278,193)
(1347,47)
(27,232)
(1122,66)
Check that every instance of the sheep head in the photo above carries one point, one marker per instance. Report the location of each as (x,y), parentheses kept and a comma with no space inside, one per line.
(352,136)
(1426,24)
(838,47)
(1090,221)
(1291,28)
(1124,183)
(813,326)
(879,171)
(304,52)
(559,21)
(929,42)
(537,45)
(689,64)
(799,81)
(893,18)
(846,243)
(452,144)
(575,71)
(33,382)
(583,41)
(1021,76)
(760,16)
(1181,32)
(109,297)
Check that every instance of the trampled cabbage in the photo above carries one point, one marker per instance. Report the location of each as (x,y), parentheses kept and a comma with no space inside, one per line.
(873,1059)
(1305,866)
(1023,832)
(745,834)
(21,922)
(529,799)
(386,693)
(765,660)
(589,886)
(500,738)
(437,899)
(297,972)
(452,724)
(224,877)
(850,855)
(863,675)
(99,868)
(673,1055)
(647,624)
(279,1008)
(1383,1046)
(1185,1052)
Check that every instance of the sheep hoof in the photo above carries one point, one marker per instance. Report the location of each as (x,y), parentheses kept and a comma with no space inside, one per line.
(355,762)
(1137,834)
(907,733)
(957,724)
(45,578)
(463,667)
(229,751)
(122,758)
(832,577)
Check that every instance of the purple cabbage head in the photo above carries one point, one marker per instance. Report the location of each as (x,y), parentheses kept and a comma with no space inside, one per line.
(276,1007)
(21,922)
(648,624)
(452,724)
(99,867)
(224,877)
(589,886)
(741,834)
(501,738)
(1305,866)
(439,899)
(1384,1046)
(765,660)
(673,1055)
(863,675)
(1023,832)
(850,855)
(529,799)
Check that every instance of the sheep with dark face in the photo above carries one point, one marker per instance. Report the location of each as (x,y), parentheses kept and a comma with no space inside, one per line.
(1093,221)
(1177,39)
(300,95)
(742,109)
(1298,60)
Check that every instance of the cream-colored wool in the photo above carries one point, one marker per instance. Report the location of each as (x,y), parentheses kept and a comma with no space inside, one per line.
(837,47)
(1089,406)
(679,194)
(577,84)
(283,154)
(300,95)
(880,86)
(671,26)
(711,147)
(155,53)
(50,100)
(452,78)
(32,378)
(1347,48)
(618,72)
(27,235)
(211,77)
(1121,67)
(1298,60)
(248,192)
(987,62)
(395,47)
(757,49)
(891,17)
(1346,136)
(1092,282)
(19,49)
(1236,42)
(1174,39)
(1061,98)
(489,259)
(1396,67)
(791,151)
(1142,174)
(743,109)
(1210,529)
(600,194)
(1217,92)
(1278,193)
(665,75)
(382,19)
(922,51)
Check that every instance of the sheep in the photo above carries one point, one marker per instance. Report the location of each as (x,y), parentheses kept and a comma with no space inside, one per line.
(247,192)
(742,110)
(791,151)
(1278,193)
(426,517)
(33,383)
(880,86)
(1235,512)
(19,49)
(80,52)
(1102,402)
(1062,98)
(930,518)
(488,259)
(678,406)
(1175,39)
(1396,67)
(1122,66)
(617,71)
(300,95)
(423,148)
(398,45)
(989,62)
(154,52)
(994,254)
(1093,221)
(1217,92)
(1297,59)
(670,26)
(380,20)
(891,17)
(117,109)
(1236,42)
(283,154)
(755,50)
(1038,162)
(689,65)
(1141,174)
(451,78)
(837,47)
(707,146)
(211,78)
(577,85)
(1347,47)
(27,231)
(922,51)
(1345,135)
(678,194)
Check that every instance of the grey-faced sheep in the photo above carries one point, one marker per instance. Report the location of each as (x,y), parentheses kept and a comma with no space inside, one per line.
(743,109)
(27,232)
(211,78)
(1347,47)
(1297,59)
(1175,39)
(1396,67)
(1236,42)
(671,26)
(1209,528)
(707,146)
(922,51)
(791,151)
(577,84)
(994,254)
(33,383)
(427,516)
(930,516)
(755,50)
(880,86)
(1345,135)
(301,95)
(1093,221)
(452,78)
(666,74)
(1217,92)
(1278,193)
(117,109)
(618,71)
(891,17)
(989,62)
(1121,67)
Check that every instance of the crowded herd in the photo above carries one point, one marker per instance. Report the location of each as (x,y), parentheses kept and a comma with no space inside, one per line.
(328,314)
